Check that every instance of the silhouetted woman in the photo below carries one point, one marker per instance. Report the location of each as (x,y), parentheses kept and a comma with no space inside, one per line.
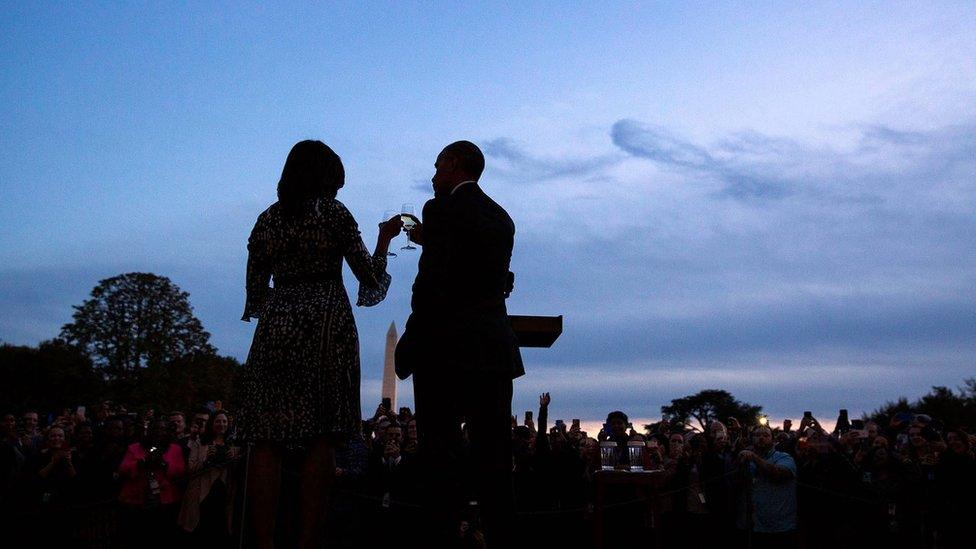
(301,380)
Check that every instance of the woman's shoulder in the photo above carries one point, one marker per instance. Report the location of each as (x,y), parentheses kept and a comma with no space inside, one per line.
(335,212)
(271,211)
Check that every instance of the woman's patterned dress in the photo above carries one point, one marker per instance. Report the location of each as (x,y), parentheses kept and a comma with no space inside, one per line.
(301,378)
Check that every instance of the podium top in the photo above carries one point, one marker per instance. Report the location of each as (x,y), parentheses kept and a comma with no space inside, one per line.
(536,331)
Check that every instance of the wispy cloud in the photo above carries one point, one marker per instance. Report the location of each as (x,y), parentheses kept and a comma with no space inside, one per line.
(754,166)
(512,161)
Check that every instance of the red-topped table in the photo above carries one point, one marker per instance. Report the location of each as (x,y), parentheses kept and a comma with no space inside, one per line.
(647,484)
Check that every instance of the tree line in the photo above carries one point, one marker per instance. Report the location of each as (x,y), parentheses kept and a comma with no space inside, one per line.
(136,340)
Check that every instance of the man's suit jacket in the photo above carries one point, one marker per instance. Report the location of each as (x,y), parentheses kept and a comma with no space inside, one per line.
(459,320)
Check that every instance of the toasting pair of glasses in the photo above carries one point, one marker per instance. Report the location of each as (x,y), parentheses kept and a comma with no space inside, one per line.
(409,221)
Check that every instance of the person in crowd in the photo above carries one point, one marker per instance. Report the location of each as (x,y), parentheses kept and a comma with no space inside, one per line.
(50,479)
(352,460)
(31,438)
(11,459)
(100,414)
(405,415)
(52,470)
(393,480)
(825,471)
(718,465)
(391,476)
(955,490)
(562,473)
(84,455)
(178,421)
(352,514)
(198,424)
(690,524)
(589,451)
(767,502)
(106,456)
(879,507)
(207,509)
(615,430)
(301,382)
(387,430)
(919,460)
(150,495)
(410,440)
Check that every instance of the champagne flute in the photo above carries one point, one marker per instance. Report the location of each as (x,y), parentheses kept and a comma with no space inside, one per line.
(388,215)
(406,216)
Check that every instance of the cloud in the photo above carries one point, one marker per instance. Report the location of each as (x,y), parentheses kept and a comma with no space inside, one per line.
(751,166)
(512,161)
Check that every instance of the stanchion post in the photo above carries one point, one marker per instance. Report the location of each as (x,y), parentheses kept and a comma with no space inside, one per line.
(247,472)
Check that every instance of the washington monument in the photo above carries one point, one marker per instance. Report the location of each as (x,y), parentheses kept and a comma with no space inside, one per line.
(389,375)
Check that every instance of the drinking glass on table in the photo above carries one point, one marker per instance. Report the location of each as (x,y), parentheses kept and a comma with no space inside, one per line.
(407,216)
(388,215)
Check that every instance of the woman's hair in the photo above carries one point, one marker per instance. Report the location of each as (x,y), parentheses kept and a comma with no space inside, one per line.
(312,170)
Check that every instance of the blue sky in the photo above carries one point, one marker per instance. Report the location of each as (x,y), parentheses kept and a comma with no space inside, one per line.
(774,199)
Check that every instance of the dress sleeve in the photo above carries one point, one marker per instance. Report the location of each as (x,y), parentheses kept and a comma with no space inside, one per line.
(258,271)
(369,269)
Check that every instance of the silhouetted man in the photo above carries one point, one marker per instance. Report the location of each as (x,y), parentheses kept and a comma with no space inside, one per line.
(460,347)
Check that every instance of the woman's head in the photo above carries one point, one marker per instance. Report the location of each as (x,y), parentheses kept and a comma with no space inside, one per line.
(958,441)
(54,438)
(312,170)
(915,437)
(218,426)
(157,434)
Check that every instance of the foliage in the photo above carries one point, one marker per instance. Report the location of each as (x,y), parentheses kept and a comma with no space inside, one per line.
(51,376)
(707,406)
(188,381)
(134,321)
(952,408)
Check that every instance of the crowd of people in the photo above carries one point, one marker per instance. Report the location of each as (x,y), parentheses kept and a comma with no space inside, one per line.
(111,478)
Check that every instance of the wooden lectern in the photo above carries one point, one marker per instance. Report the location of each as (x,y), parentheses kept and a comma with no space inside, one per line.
(536,331)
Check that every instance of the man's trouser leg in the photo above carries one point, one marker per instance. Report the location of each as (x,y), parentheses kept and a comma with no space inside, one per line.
(488,413)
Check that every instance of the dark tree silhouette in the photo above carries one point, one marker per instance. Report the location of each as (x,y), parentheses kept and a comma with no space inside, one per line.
(188,381)
(709,405)
(50,376)
(954,409)
(134,321)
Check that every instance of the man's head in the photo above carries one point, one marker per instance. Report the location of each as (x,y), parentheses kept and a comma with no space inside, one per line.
(114,429)
(8,425)
(178,419)
(762,438)
(201,418)
(394,433)
(30,421)
(458,162)
(83,435)
(618,423)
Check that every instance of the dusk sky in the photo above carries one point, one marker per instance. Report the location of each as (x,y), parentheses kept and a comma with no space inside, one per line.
(773,199)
